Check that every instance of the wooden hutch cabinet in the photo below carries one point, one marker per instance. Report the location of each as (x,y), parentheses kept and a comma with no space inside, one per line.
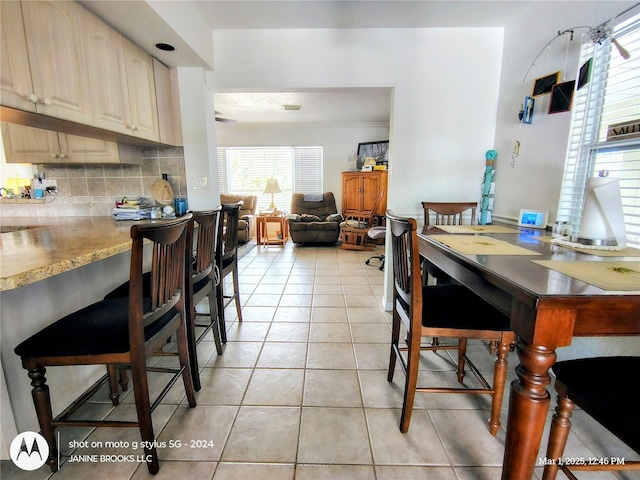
(359,192)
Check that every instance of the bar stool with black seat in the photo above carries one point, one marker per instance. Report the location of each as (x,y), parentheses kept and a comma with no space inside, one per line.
(202,278)
(448,310)
(120,332)
(202,282)
(604,389)
(227,261)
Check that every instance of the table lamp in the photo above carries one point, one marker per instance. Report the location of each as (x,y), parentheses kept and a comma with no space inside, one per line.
(272,187)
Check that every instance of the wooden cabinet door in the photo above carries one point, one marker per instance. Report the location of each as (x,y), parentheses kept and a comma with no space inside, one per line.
(30,145)
(372,184)
(351,193)
(15,76)
(142,93)
(108,76)
(167,122)
(87,150)
(55,44)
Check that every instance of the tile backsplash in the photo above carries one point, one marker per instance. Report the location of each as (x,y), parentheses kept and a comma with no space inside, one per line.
(92,190)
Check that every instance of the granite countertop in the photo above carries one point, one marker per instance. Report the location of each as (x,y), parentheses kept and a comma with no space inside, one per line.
(37,248)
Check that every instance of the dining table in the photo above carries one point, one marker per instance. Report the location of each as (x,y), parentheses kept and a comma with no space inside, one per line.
(552,293)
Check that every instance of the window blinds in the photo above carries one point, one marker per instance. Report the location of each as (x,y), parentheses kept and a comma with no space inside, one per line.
(611,97)
(245,171)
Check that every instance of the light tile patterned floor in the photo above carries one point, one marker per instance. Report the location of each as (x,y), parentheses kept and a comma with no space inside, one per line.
(301,392)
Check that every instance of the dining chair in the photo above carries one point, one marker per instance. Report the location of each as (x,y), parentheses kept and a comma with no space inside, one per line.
(602,388)
(445,213)
(448,213)
(449,310)
(121,331)
(227,262)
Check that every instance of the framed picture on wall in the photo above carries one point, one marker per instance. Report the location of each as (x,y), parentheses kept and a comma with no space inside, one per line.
(585,74)
(561,97)
(543,85)
(377,150)
(527,110)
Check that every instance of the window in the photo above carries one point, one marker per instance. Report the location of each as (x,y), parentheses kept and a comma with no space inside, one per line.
(245,171)
(611,97)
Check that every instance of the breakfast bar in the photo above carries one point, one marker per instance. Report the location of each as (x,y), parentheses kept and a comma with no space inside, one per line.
(50,267)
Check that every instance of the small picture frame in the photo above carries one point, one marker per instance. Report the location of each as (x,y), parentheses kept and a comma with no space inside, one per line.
(527,110)
(584,75)
(562,97)
(543,85)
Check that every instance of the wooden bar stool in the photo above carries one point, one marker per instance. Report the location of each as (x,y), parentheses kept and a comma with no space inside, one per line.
(227,261)
(120,332)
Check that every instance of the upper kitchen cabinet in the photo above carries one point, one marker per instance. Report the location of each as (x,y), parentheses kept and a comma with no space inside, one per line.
(24,144)
(122,82)
(15,77)
(56,57)
(142,92)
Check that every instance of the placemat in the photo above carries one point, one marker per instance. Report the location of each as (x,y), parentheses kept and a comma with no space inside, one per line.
(481,245)
(476,229)
(617,276)
(626,252)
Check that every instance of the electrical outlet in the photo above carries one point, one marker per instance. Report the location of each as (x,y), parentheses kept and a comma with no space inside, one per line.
(50,185)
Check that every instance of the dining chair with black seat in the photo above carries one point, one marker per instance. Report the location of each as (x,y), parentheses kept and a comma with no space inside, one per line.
(604,389)
(447,310)
(120,332)
(227,262)
(446,213)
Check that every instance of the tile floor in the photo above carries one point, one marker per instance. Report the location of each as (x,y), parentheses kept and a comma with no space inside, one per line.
(301,392)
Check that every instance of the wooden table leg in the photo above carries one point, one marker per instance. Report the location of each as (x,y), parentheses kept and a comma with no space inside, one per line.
(528,408)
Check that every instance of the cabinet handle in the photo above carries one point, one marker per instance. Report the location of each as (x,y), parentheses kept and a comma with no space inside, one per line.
(63,156)
(46,101)
(32,98)
(55,155)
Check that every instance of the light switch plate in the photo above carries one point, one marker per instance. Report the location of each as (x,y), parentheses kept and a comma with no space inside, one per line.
(199,183)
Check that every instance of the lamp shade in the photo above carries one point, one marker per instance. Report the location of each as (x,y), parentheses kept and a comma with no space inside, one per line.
(272,186)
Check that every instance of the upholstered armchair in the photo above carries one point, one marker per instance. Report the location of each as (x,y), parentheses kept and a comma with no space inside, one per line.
(314,218)
(247,221)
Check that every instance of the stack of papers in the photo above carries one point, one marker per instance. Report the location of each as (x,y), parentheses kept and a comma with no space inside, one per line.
(132,210)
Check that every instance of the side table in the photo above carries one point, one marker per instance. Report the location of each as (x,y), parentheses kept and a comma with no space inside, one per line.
(281,235)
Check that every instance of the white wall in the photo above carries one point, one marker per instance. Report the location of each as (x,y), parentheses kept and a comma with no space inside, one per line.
(199,137)
(338,141)
(445,96)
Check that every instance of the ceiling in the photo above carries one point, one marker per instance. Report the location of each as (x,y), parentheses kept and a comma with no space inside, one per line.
(365,105)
